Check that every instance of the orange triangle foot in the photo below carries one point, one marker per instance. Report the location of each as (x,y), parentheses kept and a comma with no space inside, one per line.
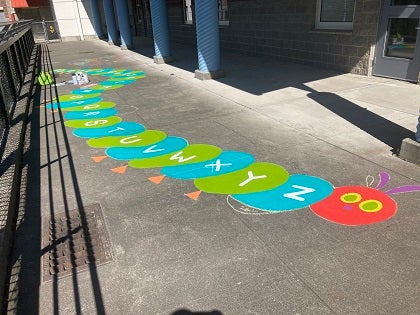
(193,195)
(98,159)
(120,169)
(157,179)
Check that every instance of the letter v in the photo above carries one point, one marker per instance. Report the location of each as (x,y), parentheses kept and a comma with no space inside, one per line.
(151,149)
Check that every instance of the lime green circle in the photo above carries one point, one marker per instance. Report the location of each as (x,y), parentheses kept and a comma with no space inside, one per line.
(144,138)
(94,106)
(126,78)
(370,206)
(256,177)
(102,88)
(76,97)
(93,123)
(351,198)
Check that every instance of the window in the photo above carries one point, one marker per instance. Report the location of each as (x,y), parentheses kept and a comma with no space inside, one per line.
(2,16)
(222,12)
(335,14)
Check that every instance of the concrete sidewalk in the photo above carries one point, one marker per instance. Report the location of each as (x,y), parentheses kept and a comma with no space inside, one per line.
(170,252)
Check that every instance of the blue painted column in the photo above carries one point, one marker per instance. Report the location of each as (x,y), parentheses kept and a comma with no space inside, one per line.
(124,24)
(207,25)
(160,31)
(96,16)
(111,25)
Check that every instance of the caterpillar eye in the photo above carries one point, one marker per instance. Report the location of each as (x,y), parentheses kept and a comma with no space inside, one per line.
(371,206)
(351,198)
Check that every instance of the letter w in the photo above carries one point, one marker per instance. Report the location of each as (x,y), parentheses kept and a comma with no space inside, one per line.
(295,195)
(180,158)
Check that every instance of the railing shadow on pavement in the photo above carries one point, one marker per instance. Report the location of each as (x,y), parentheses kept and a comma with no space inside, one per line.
(188,312)
(53,142)
(26,270)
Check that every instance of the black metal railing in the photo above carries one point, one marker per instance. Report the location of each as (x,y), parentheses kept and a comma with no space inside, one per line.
(19,58)
(16,45)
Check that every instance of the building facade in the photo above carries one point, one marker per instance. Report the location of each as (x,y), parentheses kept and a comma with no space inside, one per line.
(366,37)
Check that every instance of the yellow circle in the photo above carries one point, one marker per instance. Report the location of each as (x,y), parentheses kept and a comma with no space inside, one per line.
(351,198)
(371,206)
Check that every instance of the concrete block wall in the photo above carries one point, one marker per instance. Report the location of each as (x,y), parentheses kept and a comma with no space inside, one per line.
(178,31)
(285,30)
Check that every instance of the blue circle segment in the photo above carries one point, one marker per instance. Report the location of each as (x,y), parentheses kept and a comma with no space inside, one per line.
(298,192)
(120,129)
(102,113)
(169,145)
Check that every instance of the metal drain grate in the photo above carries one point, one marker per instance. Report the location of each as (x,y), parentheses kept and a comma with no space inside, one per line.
(71,243)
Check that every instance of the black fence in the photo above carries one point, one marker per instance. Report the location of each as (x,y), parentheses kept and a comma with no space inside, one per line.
(16,45)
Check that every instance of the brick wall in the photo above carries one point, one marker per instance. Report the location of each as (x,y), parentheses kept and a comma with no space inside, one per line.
(285,29)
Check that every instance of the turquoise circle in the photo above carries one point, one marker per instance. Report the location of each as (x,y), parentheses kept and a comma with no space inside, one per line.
(82,102)
(169,145)
(86,91)
(120,129)
(298,192)
(116,82)
(94,114)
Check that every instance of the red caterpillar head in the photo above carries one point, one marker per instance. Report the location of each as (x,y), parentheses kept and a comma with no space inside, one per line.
(359,205)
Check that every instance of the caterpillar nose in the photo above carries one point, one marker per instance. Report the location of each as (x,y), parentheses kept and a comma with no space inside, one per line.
(347,207)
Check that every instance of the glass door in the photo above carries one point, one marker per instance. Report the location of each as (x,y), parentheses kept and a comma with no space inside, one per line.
(397,52)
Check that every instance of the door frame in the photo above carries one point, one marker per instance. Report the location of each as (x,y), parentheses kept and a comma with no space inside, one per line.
(394,67)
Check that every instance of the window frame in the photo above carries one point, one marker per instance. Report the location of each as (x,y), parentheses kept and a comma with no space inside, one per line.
(222,22)
(339,26)
(184,10)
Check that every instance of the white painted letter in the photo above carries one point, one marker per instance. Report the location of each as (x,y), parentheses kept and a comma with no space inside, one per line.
(128,141)
(180,158)
(150,149)
(116,129)
(91,114)
(218,164)
(95,122)
(91,106)
(250,178)
(295,195)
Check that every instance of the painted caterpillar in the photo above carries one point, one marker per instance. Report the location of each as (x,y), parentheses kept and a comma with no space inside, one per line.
(260,185)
